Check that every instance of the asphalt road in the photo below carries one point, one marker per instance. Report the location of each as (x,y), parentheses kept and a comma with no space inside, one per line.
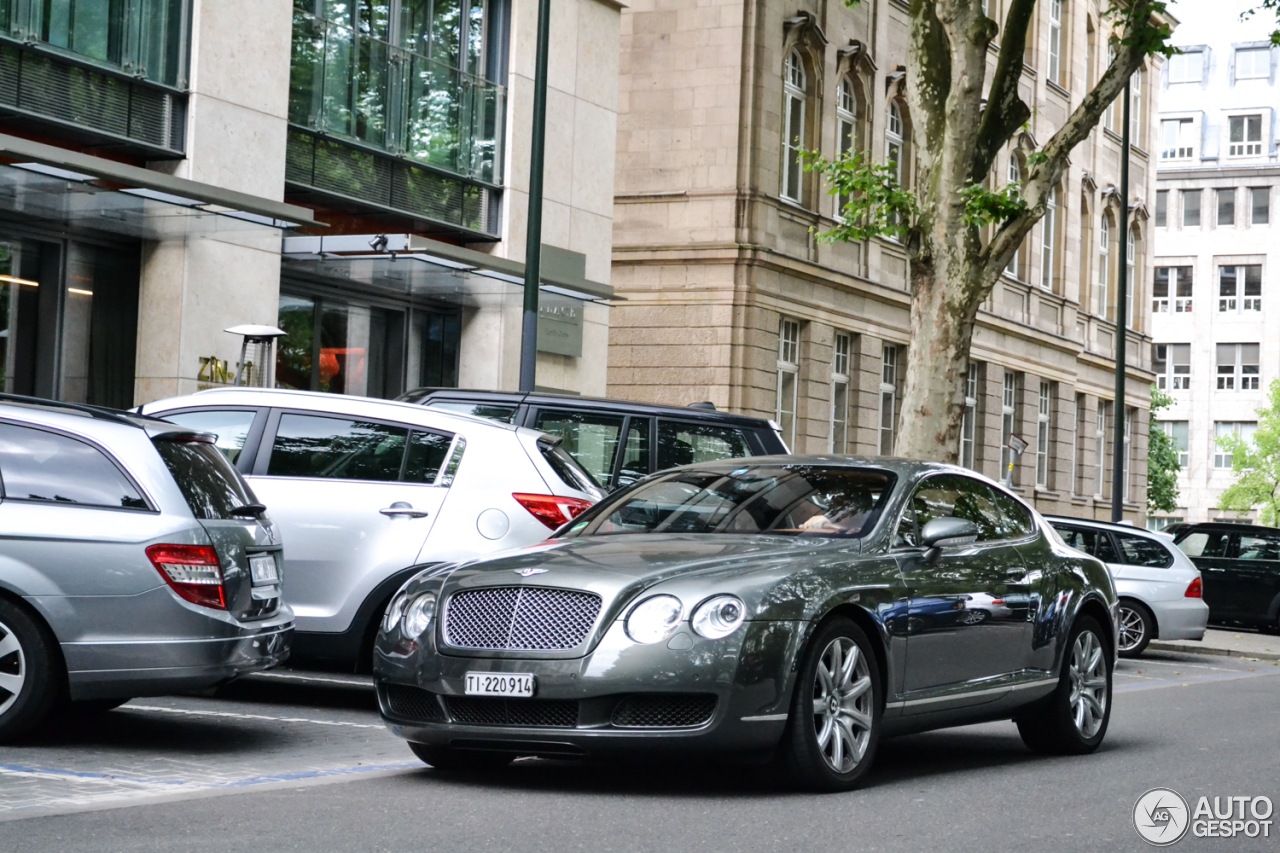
(298,761)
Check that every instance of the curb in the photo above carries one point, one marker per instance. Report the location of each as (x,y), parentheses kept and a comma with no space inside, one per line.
(1210,650)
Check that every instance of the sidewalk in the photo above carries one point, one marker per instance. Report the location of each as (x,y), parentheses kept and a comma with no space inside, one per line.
(1237,643)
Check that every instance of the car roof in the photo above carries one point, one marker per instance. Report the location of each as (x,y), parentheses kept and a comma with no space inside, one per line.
(908,467)
(56,412)
(516,398)
(1230,526)
(1106,525)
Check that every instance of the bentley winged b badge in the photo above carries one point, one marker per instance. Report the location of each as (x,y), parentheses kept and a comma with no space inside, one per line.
(528,573)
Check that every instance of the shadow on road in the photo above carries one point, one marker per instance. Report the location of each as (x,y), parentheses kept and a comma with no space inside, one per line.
(149,734)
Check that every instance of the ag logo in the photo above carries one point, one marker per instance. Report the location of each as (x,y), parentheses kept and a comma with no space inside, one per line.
(1161,817)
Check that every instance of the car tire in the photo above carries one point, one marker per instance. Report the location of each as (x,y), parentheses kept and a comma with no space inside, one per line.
(1068,722)
(1137,628)
(834,722)
(30,670)
(460,760)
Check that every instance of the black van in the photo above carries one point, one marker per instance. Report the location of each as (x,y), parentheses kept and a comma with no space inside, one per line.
(613,438)
(1240,566)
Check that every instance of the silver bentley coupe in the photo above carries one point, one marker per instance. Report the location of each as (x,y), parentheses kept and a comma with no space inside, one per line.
(792,609)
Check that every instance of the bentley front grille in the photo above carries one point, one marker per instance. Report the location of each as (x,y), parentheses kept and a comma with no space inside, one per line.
(412,703)
(496,711)
(664,711)
(520,618)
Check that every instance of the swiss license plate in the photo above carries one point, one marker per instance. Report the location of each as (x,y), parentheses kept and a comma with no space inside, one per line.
(518,684)
(263,569)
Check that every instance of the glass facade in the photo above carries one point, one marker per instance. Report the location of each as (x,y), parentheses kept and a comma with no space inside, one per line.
(413,78)
(145,38)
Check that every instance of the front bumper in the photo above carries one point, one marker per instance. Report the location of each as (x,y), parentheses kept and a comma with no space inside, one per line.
(748,674)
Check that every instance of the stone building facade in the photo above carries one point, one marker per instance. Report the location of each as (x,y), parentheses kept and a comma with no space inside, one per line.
(1217,262)
(731,299)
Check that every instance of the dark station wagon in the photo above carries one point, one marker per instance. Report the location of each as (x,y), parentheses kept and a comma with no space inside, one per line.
(1240,565)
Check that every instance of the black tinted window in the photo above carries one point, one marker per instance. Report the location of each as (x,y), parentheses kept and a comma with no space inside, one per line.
(686,444)
(792,500)
(337,448)
(1096,543)
(1205,544)
(231,428)
(948,496)
(635,454)
(1254,547)
(427,451)
(1140,551)
(1015,519)
(590,438)
(44,466)
(211,486)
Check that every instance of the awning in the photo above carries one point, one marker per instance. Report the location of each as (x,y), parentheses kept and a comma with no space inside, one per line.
(81,191)
(419,266)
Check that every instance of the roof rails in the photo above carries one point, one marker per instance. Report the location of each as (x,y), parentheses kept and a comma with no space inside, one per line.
(85,410)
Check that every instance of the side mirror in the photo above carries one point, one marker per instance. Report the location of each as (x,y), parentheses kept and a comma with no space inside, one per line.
(945,533)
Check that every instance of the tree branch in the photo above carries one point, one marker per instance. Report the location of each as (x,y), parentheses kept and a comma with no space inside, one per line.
(1006,111)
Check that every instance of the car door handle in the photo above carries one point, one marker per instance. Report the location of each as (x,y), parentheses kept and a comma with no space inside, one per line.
(403,508)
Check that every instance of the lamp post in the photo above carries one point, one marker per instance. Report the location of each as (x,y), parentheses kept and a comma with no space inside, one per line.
(533,244)
(1122,326)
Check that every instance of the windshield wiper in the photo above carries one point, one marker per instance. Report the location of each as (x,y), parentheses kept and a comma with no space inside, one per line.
(249,511)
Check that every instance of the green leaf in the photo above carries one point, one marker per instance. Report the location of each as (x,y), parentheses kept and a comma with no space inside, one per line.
(876,204)
(1255,464)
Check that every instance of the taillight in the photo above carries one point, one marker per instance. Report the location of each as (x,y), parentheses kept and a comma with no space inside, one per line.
(552,510)
(193,571)
(1195,589)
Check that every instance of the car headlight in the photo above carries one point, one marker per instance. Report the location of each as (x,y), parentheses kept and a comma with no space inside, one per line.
(654,619)
(394,611)
(417,616)
(719,617)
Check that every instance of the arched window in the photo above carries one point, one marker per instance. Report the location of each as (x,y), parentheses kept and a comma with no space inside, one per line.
(1131,284)
(846,128)
(1104,266)
(1050,234)
(795,91)
(1015,177)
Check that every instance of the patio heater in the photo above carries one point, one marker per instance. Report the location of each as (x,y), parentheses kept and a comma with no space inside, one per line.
(257,353)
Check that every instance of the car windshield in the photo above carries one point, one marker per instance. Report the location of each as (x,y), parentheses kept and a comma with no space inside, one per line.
(790,500)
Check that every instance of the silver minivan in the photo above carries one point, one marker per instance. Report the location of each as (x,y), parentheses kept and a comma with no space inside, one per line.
(368,491)
(134,561)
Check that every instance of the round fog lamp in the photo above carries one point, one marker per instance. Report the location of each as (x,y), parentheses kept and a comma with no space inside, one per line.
(718,617)
(394,611)
(417,617)
(654,619)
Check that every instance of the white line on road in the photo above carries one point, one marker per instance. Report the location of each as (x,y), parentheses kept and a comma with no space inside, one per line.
(320,679)
(231,715)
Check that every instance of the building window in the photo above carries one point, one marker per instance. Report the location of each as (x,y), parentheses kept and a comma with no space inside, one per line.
(1135,108)
(1109,117)
(969,425)
(1131,284)
(1253,62)
(1176,141)
(888,398)
(1077,447)
(1172,289)
(1244,136)
(1221,429)
(1172,366)
(795,91)
(1100,448)
(1050,234)
(840,393)
(1227,206)
(1129,416)
(1104,267)
(1240,289)
(416,80)
(788,367)
(1044,429)
(1156,523)
(1237,367)
(1186,67)
(846,129)
(1178,432)
(894,139)
(1015,180)
(1191,208)
(1162,208)
(1008,422)
(1260,205)
(1055,41)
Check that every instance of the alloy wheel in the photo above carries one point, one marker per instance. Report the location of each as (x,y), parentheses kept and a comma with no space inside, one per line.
(1133,629)
(1088,674)
(13,668)
(842,704)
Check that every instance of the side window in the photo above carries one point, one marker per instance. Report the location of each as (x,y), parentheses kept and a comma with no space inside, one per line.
(1081,540)
(492,411)
(1259,547)
(635,453)
(43,466)
(949,496)
(231,428)
(1140,551)
(336,448)
(427,452)
(686,444)
(1015,519)
(1205,544)
(590,438)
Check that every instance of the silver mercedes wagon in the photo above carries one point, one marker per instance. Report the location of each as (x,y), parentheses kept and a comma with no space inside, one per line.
(134,561)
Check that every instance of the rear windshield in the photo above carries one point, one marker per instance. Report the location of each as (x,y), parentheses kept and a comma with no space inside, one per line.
(211,486)
(788,500)
(567,468)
